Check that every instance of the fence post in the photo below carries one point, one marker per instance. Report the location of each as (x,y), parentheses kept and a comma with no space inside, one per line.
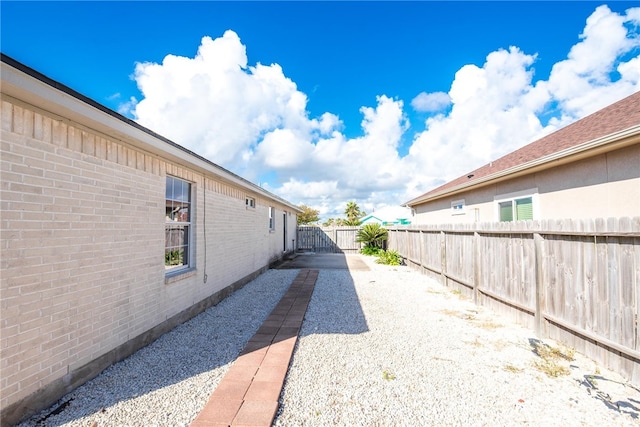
(538,242)
(408,240)
(476,265)
(443,258)
(336,246)
(420,258)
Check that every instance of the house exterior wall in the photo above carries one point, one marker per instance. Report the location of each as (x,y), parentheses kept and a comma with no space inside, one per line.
(83,280)
(603,186)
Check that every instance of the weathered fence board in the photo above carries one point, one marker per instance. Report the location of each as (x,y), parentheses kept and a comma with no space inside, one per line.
(328,239)
(574,281)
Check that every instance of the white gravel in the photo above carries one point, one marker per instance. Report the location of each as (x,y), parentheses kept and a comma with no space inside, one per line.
(390,347)
(386,347)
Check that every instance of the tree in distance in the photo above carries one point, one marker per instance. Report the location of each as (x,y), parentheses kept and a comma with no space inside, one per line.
(353,213)
(308,215)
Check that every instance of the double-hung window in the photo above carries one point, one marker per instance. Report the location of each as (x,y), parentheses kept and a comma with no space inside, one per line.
(177,246)
(272,218)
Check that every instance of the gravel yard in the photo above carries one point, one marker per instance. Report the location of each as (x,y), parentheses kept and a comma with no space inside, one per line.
(399,349)
(385,347)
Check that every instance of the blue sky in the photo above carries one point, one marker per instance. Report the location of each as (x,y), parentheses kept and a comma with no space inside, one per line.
(340,85)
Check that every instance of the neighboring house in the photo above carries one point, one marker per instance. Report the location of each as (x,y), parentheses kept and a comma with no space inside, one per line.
(589,169)
(389,215)
(111,235)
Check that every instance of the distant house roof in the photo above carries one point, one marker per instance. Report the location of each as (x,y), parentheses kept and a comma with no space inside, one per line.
(388,214)
(618,121)
(371,218)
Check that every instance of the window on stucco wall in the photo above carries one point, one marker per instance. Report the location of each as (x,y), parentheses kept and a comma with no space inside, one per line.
(520,209)
(458,207)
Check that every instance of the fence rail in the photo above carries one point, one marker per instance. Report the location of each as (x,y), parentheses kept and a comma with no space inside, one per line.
(574,281)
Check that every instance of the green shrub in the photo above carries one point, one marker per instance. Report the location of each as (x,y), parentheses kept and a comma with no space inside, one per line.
(372,235)
(389,257)
(371,250)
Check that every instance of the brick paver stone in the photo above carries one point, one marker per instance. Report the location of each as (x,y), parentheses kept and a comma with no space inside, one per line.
(248,394)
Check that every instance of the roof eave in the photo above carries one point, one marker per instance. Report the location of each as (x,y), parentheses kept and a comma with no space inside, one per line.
(28,86)
(613,141)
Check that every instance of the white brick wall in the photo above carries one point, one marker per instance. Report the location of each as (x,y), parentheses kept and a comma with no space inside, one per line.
(82,240)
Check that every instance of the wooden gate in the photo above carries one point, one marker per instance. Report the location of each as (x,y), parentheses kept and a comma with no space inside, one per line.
(328,239)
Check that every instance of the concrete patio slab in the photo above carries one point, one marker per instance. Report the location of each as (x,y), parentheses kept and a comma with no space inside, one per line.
(325,261)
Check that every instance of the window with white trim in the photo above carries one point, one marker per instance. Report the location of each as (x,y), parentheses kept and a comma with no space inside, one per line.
(272,218)
(177,243)
(250,202)
(520,209)
(457,207)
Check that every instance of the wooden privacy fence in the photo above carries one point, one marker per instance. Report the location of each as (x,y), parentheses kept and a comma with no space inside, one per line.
(577,282)
(328,239)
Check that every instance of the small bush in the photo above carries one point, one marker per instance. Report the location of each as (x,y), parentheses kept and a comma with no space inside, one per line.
(370,250)
(389,257)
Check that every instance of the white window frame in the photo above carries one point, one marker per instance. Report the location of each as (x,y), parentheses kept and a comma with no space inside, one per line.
(458,207)
(173,219)
(518,195)
(250,202)
(272,218)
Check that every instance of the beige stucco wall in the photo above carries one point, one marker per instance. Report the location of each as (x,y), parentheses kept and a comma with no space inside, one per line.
(604,186)
(82,240)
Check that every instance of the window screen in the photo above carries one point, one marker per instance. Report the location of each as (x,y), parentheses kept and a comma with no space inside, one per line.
(506,211)
(524,209)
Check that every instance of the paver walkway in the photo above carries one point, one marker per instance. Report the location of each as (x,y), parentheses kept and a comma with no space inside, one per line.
(248,394)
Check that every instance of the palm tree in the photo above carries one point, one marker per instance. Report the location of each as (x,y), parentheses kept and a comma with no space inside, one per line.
(372,235)
(353,213)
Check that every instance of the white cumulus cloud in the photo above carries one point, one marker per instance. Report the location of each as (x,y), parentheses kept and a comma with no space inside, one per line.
(215,104)
(583,82)
(496,108)
(253,120)
(493,112)
(430,102)
(282,148)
